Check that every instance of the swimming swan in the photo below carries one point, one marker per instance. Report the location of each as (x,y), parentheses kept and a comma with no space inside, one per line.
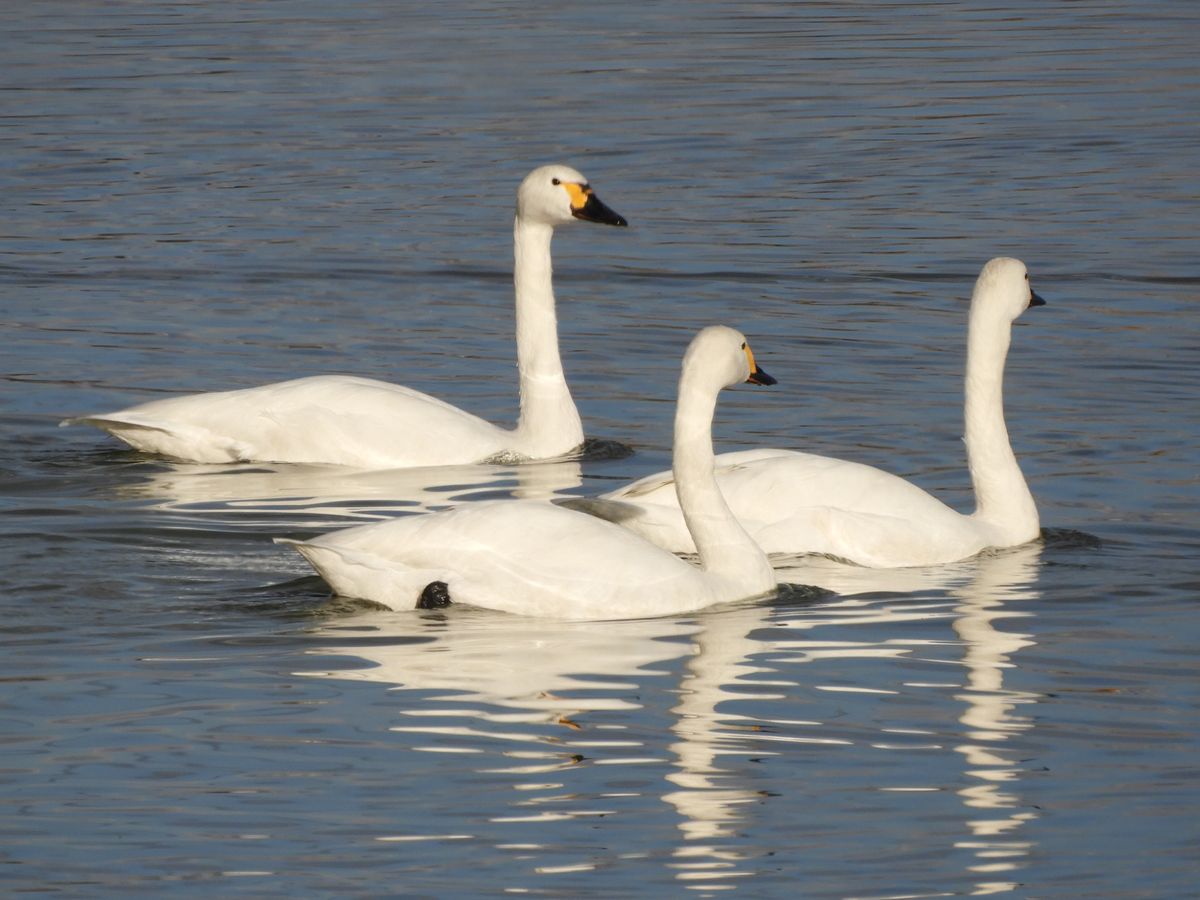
(344,420)
(538,559)
(802,503)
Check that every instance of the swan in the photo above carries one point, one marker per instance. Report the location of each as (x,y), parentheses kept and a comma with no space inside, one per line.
(538,559)
(795,502)
(345,420)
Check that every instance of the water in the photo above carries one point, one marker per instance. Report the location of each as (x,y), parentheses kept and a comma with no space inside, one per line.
(201,196)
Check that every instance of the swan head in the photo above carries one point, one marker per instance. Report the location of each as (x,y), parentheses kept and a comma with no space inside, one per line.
(556,195)
(1003,286)
(722,355)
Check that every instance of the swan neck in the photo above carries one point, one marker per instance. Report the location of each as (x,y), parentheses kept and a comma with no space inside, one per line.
(1002,496)
(722,543)
(549,423)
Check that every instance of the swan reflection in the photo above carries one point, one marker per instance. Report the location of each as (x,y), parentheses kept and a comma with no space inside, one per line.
(549,671)
(545,694)
(709,799)
(990,715)
(533,685)
(309,496)
(983,591)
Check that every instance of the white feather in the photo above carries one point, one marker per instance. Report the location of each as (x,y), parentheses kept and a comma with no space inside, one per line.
(794,502)
(538,559)
(344,420)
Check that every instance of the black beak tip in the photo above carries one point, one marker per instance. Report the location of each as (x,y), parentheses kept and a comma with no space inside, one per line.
(595,211)
(1035,300)
(608,217)
(758,376)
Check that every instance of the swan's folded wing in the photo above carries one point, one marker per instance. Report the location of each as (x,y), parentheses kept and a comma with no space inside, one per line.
(523,556)
(662,484)
(874,540)
(643,487)
(321,419)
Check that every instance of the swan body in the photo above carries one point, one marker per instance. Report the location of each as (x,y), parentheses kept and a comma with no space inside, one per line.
(538,559)
(793,502)
(344,420)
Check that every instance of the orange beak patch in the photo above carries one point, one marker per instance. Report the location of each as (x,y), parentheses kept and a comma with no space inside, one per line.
(578,193)
(750,357)
(757,375)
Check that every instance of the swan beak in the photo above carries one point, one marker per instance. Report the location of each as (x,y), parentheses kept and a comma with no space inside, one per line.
(1035,300)
(586,205)
(757,375)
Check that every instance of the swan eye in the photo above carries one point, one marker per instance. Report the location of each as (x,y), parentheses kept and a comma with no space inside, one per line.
(555,181)
(743,345)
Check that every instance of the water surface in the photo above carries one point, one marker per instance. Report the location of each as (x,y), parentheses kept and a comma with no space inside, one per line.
(202,196)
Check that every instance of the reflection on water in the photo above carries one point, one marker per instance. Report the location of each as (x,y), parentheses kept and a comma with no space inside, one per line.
(709,800)
(989,717)
(982,586)
(509,691)
(534,689)
(536,682)
(309,496)
(202,200)
(551,670)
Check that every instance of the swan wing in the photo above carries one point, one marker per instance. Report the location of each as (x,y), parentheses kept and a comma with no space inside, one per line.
(771,487)
(335,419)
(651,488)
(524,557)
(793,502)
(874,540)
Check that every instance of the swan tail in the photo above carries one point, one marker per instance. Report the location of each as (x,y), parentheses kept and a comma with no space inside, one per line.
(364,576)
(609,510)
(643,487)
(659,524)
(111,423)
(166,438)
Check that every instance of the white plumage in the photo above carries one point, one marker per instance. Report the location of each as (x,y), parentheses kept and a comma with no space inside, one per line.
(344,420)
(793,502)
(538,559)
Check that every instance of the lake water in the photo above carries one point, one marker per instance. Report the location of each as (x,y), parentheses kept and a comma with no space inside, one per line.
(201,196)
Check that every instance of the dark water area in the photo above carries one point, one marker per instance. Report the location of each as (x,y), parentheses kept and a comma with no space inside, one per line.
(210,196)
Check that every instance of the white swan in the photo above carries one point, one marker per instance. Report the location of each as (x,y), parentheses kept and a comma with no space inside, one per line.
(538,559)
(802,503)
(344,420)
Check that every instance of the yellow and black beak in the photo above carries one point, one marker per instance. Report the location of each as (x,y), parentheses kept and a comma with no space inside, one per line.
(586,205)
(757,375)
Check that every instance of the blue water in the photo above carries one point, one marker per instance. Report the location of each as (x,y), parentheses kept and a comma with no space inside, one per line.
(202,196)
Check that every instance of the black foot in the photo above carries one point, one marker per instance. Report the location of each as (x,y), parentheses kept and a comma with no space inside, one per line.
(435,596)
